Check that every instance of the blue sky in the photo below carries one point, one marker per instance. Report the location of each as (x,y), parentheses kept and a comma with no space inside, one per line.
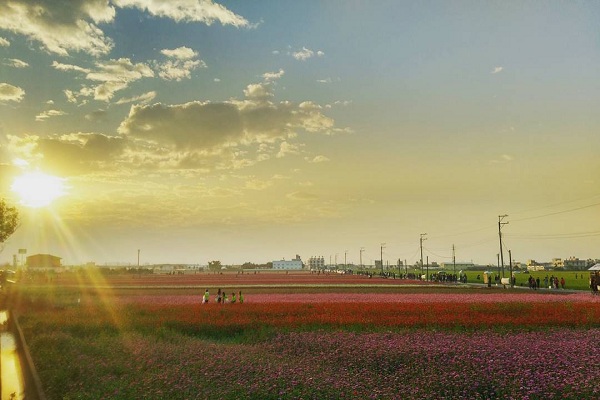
(251,131)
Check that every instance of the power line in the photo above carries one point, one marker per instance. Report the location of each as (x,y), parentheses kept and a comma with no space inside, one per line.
(556,235)
(557,212)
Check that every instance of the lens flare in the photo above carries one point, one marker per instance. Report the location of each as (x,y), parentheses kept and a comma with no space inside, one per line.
(36,189)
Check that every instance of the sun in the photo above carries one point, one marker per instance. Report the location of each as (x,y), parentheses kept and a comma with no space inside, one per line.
(36,189)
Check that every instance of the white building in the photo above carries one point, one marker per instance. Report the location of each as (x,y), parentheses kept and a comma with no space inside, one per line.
(294,264)
(316,263)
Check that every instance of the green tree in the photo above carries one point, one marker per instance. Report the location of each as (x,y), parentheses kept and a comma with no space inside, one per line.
(9,221)
(214,265)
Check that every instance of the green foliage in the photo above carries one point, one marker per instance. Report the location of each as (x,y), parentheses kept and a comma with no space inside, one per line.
(214,265)
(9,221)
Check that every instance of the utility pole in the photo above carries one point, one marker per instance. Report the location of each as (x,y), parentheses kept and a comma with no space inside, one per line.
(421,246)
(500,223)
(361,251)
(454,259)
(345,263)
(427,268)
(138,258)
(510,264)
(382,247)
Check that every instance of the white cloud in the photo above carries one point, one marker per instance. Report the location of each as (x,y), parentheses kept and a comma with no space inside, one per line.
(180,53)
(47,114)
(271,76)
(11,93)
(258,91)
(16,63)
(60,27)
(318,159)
(326,80)
(143,98)
(286,148)
(204,11)
(73,96)
(69,67)
(178,70)
(116,75)
(504,158)
(305,54)
(497,70)
(302,196)
(217,128)
(4,42)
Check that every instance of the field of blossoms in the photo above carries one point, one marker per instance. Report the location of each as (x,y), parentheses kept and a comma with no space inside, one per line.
(331,344)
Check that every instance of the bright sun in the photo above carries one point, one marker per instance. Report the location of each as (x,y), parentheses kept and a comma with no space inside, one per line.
(36,189)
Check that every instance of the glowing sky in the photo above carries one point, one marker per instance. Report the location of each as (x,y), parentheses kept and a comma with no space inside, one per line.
(257,130)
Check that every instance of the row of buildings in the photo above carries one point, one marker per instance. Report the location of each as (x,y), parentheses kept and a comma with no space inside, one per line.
(51,262)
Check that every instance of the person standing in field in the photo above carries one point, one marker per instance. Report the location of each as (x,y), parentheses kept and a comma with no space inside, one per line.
(219,296)
(240,297)
(206,296)
(562,282)
(232,297)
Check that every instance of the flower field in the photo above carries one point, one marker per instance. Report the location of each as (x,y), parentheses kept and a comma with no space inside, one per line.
(331,344)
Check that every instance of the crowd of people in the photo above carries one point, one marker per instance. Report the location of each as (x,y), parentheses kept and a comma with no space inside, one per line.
(222,298)
(551,282)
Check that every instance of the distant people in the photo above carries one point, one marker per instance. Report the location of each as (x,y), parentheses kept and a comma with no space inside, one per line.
(537,282)
(240,297)
(232,297)
(562,282)
(206,296)
(219,296)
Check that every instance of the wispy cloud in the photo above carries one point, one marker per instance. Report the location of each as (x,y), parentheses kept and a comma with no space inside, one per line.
(143,98)
(47,114)
(306,53)
(271,76)
(497,70)
(11,93)
(180,65)
(16,63)
(4,42)
(205,11)
(60,27)
(504,158)
(317,159)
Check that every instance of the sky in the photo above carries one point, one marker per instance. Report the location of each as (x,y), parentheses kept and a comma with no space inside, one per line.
(186,131)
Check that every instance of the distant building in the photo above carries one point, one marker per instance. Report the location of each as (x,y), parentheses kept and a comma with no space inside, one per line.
(44,262)
(533,265)
(294,264)
(459,265)
(575,263)
(316,262)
